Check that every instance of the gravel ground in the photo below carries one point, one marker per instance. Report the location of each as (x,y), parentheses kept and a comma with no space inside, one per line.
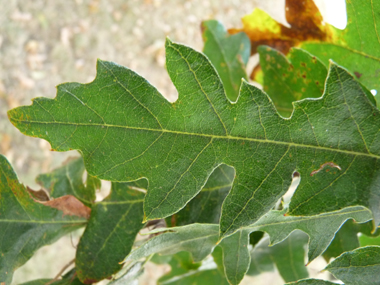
(45,43)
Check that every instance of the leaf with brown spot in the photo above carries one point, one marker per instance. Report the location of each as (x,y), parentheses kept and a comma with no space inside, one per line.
(25,225)
(357,47)
(69,205)
(67,180)
(39,195)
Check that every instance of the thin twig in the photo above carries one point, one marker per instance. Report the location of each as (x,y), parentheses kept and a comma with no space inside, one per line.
(61,272)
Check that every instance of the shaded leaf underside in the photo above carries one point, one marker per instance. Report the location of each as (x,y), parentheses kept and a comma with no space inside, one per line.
(126,130)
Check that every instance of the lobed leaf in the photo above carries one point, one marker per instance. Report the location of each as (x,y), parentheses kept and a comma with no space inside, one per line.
(236,255)
(126,130)
(25,225)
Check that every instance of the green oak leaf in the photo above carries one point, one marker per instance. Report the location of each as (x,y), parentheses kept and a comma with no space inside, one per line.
(360,266)
(288,256)
(321,228)
(228,53)
(67,180)
(111,231)
(26,225)
(207,205)
(126,130)
(357,47)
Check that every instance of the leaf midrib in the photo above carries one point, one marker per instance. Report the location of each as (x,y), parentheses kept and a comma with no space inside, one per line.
(227,137)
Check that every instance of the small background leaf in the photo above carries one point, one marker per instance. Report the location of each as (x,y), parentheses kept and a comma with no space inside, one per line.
(228,53)
(68,180)
(288,256)
(111,231)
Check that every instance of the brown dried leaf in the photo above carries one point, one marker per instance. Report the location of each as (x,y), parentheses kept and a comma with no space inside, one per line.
(69,205)
(305,21)
(38,196)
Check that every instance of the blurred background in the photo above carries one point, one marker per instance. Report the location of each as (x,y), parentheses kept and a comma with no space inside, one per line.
(44,43)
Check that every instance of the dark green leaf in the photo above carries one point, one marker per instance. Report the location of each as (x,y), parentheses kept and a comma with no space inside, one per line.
(25,225)
(126,130)
(206,206)
(229,54)
(67,180)
(111,231)
(357,267)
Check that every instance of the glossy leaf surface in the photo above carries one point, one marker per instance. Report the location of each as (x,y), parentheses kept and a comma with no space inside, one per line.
(126,130)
